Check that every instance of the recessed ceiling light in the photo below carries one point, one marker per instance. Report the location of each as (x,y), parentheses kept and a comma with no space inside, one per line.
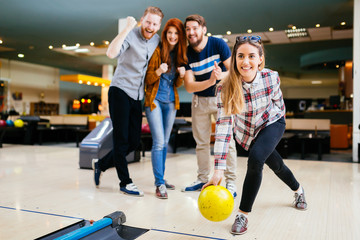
(293,27)
(63,46)
(316,82)
(271,29)
(337,65)
(82,50)
(92,44)
(78,44)
(208,34)
(343,23)
(80,81)
(249,31)
(51,47)
(228,32)
(106,42)
(1,41)
(20,55)
(317,25)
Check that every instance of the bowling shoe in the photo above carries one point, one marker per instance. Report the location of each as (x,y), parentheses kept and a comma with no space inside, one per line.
(195,186)
(232,188)
(161,192)
(300,202)
(132,189)
(169,186)
(240,225)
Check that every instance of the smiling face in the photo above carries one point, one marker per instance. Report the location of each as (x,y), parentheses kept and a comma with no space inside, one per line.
(194,33)
(172,36)
(248,61)
(150,24)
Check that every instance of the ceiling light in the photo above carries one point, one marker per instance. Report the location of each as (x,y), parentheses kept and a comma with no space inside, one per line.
(295,33)
(70,48)
(82,50)
(1,41)
(293,27)
(343,23)
(337,66)
(249,31)
(317,25)
(63,46)
(208,34)
(20,55)
(271,29)
(51,47)
(80,81)
(106,42)
(92,44)
(228,32)
(316,82)
(88,83)
(78,44)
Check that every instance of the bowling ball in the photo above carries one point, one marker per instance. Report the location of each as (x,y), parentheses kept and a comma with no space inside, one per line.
(2,123)
(215,203)
(18,123)
(10,123)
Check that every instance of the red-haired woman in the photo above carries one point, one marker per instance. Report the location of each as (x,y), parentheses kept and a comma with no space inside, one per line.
(164,75)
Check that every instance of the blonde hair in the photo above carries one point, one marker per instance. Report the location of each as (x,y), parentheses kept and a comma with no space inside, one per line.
(232,95)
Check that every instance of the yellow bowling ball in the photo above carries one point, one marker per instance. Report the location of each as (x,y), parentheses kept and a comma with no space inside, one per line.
(18,123)
(215,203)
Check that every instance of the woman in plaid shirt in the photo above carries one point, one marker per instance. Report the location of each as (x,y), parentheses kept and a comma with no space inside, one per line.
(251,105)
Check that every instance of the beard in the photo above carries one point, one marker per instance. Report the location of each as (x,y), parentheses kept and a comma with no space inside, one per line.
(146,34)
(195,44)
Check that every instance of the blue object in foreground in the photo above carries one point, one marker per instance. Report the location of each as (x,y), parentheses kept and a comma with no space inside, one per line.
(87,230)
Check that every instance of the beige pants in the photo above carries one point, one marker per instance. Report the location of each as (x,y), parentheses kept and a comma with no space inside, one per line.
(202,109)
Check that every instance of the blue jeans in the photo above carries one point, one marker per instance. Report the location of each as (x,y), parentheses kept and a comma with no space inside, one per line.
(161,120)
(262,151)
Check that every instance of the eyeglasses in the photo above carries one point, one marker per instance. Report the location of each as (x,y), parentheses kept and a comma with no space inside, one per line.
(255,39)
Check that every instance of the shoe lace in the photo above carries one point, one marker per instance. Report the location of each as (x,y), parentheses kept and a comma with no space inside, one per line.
(299,198)
(240,221)
(162,188)
(133,187)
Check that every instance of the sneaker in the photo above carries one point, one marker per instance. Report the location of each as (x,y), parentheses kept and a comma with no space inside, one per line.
(161,192)
(169,186)
(97,171)
(300,202)
(240,225)
(232,188)
(195,186)
(132,189)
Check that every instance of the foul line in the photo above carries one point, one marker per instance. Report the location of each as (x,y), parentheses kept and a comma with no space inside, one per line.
(31,211)
(187,234)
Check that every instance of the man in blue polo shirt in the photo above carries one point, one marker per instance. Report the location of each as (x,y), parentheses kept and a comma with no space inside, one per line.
(208,61)
(133,47)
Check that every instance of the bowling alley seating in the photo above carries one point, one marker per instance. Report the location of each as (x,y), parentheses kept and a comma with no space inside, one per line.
(65,127)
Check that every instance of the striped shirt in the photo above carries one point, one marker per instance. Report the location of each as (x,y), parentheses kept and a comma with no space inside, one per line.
(202,63)
(264,105)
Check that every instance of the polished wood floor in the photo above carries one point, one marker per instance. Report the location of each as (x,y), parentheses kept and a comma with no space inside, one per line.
(42,190)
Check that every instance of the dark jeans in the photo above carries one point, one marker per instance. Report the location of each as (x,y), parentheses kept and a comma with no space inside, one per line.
(263,151)
(126,117)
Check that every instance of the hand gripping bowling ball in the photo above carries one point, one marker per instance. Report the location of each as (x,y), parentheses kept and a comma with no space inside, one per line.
(215,203)
(18,123)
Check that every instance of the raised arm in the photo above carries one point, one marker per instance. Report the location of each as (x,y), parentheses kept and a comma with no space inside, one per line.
(115,45)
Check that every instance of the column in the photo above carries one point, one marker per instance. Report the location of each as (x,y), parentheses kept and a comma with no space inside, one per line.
(356,81)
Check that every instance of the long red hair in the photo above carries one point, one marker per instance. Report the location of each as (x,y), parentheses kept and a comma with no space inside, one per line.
(180,48)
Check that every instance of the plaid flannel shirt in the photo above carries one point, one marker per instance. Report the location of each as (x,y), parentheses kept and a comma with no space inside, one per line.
(264,105)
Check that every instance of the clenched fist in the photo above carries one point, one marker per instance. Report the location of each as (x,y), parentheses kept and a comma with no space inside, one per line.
(130,22)
(181,71)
